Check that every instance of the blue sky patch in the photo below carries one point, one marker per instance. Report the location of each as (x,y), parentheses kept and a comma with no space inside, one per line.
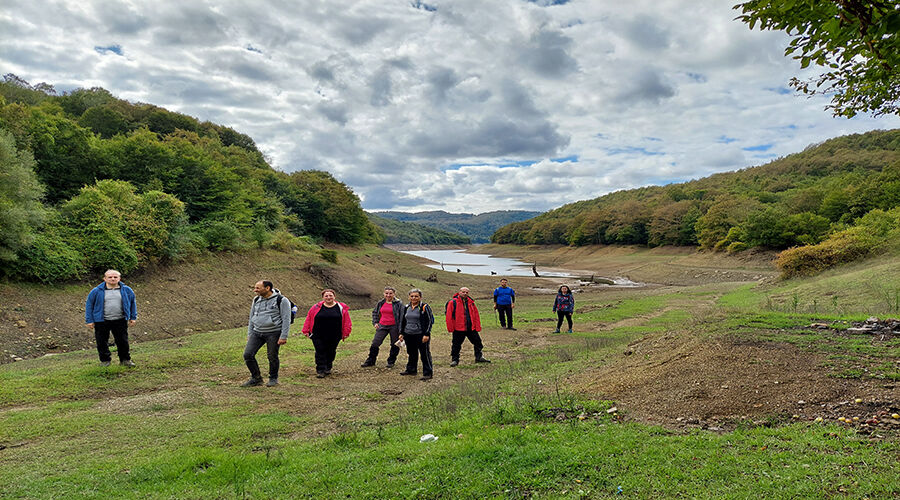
(724,139)
(780,90)
(548,3)
(572,158)
(697,77)
(253,49)
(630,150)
(419,4)
(115,49)
(759,147)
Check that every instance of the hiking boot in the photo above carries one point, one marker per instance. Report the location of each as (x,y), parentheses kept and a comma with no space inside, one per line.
(367,364)
(253,382)
(390,365)
(104,363)
(454,362)
(511,328)
(405,372)
(129,363)
(272,382)
(425,377)
(569,330)
(556,331)
(328,371)
(482,360)
(320,374)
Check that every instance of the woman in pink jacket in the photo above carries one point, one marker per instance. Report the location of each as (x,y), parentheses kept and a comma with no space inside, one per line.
(327,323)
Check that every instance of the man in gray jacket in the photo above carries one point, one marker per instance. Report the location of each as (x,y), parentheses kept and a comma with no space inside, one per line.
(270,323)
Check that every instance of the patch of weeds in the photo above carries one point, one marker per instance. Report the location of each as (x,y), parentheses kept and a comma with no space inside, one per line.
(371,396)
(849,373)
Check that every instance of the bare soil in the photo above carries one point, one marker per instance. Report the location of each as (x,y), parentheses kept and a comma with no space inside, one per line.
(676,379)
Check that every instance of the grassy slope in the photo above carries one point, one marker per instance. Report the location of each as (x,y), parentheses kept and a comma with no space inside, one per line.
(178,426)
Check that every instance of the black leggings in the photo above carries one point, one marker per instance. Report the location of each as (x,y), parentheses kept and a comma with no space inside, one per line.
(561,315)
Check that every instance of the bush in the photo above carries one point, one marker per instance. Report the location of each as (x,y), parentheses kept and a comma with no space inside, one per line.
(286,242)
(221,235)
(49,258)
(845,246)
(737,246)
(329,255)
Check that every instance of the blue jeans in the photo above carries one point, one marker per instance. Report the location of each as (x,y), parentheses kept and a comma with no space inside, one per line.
(255,342)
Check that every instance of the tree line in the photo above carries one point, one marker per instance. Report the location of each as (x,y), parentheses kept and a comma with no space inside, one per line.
(89,181)
(802,200)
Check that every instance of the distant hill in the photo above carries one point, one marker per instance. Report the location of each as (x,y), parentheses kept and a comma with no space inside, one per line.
(477,227)
(396,231)
(834,202)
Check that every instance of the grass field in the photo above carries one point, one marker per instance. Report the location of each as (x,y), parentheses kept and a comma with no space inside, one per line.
(179,426)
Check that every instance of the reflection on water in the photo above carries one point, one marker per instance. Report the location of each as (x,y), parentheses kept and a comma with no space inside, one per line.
(481,264)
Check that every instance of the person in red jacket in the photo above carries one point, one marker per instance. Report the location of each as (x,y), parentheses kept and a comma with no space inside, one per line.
(463,323)
(327,323)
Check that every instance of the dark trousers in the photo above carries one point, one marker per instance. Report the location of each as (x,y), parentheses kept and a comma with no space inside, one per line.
(560,315)
(119,329)
(255,341)
(326,349)
(505,315)
(458,338)
(416,348)
(380,334)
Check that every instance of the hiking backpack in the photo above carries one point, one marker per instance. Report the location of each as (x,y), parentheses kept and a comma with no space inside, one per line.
(293,307)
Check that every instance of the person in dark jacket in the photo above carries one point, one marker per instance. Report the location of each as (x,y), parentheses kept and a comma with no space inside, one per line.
(111,308)
(463,322)
(564,306)
(327,323)
(386,317)
(415,330)
(504,303)
(269,325)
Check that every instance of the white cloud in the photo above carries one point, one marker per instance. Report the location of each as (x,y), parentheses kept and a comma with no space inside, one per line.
(456,105)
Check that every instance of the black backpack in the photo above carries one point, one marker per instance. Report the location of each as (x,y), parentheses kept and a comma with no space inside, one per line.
(293,307)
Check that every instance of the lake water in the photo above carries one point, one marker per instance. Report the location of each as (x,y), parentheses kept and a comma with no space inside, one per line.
(482,264)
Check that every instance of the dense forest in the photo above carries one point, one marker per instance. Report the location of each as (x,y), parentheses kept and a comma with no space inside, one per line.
(833,202)
(477,227)
(396,231)
(89,181)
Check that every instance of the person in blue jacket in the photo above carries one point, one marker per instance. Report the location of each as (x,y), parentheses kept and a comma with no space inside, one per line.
(504,303)
(111,308)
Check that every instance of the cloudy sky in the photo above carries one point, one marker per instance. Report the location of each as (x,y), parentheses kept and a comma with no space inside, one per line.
(461,105)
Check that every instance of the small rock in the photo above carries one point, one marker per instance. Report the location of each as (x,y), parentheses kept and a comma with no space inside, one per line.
(47,320)
(21,323)
(612,410)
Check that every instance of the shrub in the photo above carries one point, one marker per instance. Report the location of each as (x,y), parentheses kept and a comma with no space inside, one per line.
(221,235)
(845,246)
(737,246)
(286,242)
(329,255)
(49,258)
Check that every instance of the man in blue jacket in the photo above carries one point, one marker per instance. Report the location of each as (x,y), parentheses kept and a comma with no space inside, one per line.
(110,307)
(504,302)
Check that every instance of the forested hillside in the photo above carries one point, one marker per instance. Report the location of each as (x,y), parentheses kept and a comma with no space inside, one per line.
(89,181)
(396,231)
(835,201)
(477,227)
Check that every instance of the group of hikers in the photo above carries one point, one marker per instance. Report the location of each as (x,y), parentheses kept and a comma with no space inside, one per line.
(111,308)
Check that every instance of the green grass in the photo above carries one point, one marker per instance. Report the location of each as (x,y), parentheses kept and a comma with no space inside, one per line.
(508,430)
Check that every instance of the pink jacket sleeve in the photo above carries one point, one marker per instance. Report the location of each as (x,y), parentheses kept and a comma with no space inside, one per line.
(310,319)
(346,324)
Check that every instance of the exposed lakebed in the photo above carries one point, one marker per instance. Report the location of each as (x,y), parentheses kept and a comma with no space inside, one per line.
(458,260)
